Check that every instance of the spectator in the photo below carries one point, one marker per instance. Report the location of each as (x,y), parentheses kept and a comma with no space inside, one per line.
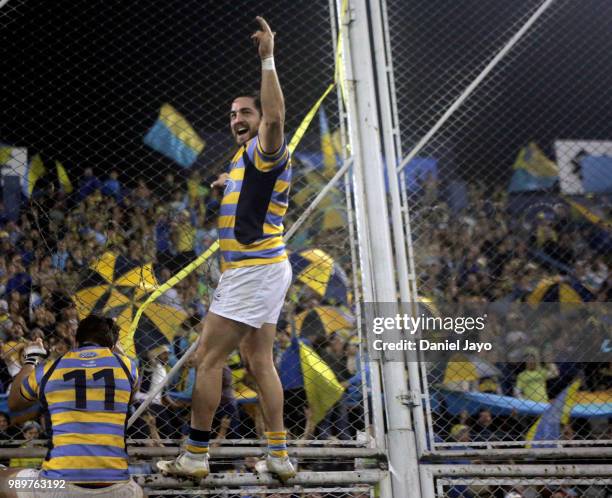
(31,431)
(112,187)
(88,184)
(484,427)
(60,256)
(531,382)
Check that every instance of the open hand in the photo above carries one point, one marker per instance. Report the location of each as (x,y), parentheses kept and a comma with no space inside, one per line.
(264,39)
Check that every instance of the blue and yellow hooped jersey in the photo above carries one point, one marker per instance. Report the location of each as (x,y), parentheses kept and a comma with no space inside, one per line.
(87,393)
(254,203)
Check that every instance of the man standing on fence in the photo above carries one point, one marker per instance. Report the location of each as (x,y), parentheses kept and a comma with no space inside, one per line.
(256,272)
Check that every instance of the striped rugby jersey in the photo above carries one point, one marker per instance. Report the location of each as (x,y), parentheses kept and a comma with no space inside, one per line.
(254,203)
(87,392)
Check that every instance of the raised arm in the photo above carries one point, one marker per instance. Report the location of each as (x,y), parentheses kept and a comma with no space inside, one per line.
(272,126)
(34,353)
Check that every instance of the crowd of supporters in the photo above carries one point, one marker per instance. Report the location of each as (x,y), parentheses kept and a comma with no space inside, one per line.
(500,250)
(477,255)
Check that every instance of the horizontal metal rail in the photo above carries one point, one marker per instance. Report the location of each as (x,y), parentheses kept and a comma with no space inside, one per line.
(523,443)
(548,481)
(254,442)
(256,490)
(508,470)
(238,480)
(531,453)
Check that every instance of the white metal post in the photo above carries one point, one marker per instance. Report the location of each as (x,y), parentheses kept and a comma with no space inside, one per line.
(391,146)
(365,257)
(374,218)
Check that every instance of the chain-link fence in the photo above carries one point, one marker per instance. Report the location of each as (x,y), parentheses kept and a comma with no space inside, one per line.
(523,488)
(278,493)
(99,213)
(509,208)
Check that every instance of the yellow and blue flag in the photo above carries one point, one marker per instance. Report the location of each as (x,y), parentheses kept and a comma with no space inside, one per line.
(327,145)
(62,177)
(600,234)
(301,366)
(533,170)
(174,137)
(5,154)
(548,426)
(590,215)
(34,171)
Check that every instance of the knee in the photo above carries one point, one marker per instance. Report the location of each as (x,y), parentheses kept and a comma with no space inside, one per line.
(258,364)
(212,359)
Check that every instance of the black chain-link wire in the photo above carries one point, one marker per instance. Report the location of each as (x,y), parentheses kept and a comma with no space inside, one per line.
(514,487)
(510,204)
(111,219)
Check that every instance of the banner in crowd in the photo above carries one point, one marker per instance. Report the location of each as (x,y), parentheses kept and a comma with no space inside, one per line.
(588,405)
(585,166)
(533,171)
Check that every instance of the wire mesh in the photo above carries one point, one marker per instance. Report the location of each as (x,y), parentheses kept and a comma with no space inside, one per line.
(553,487)
(95,220)
(273,493)
(509,208)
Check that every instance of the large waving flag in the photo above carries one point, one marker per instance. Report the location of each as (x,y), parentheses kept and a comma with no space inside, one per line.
(34,171)
(327,145)
(533,170)
(301,366)
(548,426)
(174,137)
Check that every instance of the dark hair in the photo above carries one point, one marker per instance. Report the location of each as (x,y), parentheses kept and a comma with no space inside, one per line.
(98,330)
(254,95)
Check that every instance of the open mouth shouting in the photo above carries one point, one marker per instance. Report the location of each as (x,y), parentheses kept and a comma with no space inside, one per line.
(241,132)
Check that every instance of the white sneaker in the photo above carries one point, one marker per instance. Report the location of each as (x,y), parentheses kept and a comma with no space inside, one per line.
(281,467)
(185,465)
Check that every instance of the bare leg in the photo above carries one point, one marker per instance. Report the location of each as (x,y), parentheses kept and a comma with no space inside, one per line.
(257,352)
(220,337)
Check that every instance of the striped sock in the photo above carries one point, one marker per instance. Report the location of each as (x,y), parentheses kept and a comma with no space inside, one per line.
(277,443)
(197,443)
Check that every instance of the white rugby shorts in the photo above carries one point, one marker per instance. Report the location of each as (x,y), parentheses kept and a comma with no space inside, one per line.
(253,295)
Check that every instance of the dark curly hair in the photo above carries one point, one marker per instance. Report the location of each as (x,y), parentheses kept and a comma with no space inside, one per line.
(98,330)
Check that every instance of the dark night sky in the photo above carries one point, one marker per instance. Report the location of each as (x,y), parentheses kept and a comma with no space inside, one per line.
(83,80)
(555,84)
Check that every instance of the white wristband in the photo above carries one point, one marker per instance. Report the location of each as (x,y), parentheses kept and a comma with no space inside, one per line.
(267,64)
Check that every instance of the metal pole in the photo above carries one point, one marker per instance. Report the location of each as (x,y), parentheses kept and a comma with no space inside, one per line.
(320,196)
(427,483)
(389,134)
(365,257)
(350,215)
(291,492)
(237,480)
(529,453)
(472,86)
(369,178)
(157,388)
(508,470)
